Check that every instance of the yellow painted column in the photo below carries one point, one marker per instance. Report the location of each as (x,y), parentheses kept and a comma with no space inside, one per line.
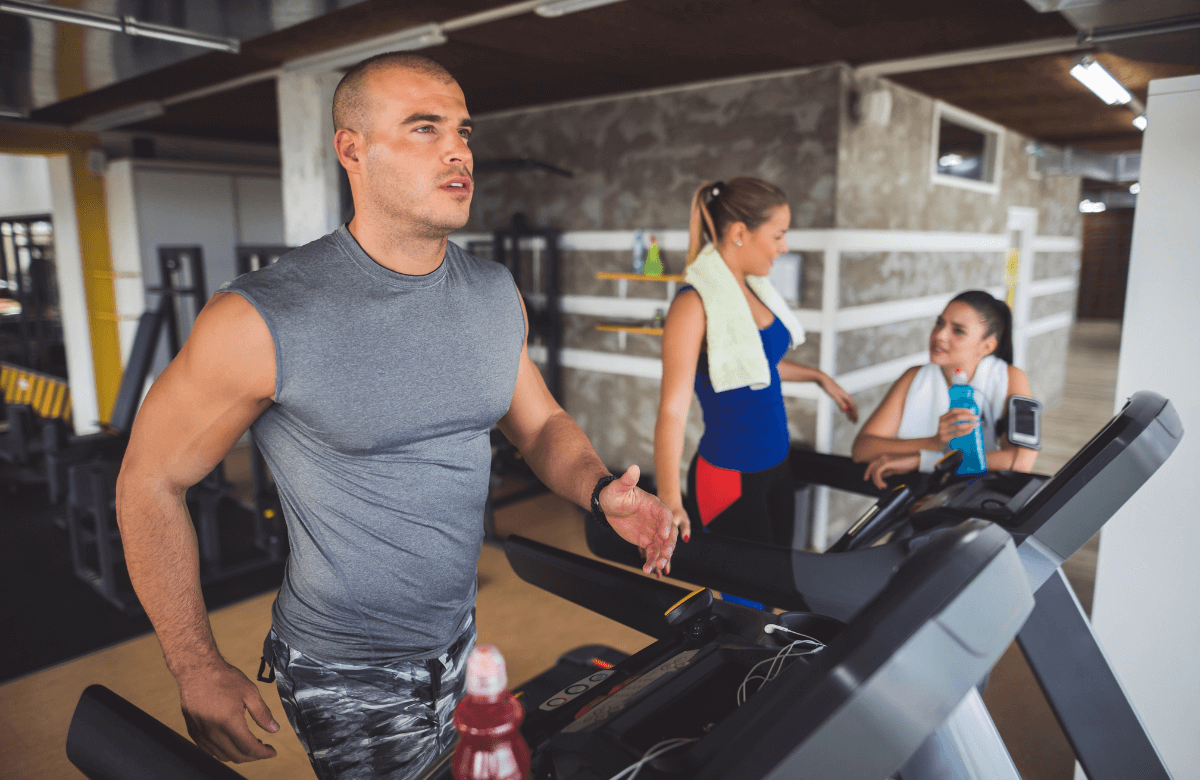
(91,214)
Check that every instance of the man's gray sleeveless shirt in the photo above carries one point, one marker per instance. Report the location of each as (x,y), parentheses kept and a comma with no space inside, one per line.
(386,389)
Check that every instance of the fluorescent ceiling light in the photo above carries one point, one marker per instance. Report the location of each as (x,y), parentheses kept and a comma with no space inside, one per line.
(1093,76)
(1092,206)
(121,24)
(138,112)
(553,8)
(1139,121)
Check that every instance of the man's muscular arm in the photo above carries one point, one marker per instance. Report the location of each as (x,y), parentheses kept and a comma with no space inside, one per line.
(561,455)
(222,379)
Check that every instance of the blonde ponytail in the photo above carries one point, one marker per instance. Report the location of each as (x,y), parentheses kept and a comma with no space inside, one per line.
(717,205)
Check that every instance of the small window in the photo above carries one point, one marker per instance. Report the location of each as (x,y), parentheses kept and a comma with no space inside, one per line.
(966,150)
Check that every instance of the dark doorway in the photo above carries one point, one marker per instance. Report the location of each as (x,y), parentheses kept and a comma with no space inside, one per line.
(1104,264)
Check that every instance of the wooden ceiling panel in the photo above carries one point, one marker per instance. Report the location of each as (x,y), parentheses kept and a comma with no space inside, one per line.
(1038,96)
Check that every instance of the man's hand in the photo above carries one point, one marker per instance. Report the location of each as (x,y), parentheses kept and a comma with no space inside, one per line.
(640,518)
(215,702)
(888,464)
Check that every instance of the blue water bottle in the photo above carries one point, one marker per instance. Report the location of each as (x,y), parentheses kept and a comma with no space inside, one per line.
(962,396)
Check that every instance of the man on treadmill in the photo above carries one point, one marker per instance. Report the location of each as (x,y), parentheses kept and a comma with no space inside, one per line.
(372,364)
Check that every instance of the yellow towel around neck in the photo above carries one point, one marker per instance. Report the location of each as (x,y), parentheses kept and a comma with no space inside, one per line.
(735,350)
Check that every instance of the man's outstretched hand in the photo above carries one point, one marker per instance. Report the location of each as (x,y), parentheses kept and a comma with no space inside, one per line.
(640,518)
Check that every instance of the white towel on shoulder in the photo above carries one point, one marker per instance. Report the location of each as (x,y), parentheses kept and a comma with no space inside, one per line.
(735,351)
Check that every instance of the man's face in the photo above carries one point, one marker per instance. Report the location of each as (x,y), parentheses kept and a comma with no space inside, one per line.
(416,167)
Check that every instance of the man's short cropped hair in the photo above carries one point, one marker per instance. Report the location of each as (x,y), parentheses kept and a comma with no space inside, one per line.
(350,109)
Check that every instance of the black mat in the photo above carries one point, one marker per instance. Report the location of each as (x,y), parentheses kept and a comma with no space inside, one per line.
(48,615)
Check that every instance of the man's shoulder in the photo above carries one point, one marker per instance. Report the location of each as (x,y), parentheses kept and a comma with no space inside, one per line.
(295,265)
(477,267)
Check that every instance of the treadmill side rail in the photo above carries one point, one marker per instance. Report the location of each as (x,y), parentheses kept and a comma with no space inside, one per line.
(920,685)
(1104,729)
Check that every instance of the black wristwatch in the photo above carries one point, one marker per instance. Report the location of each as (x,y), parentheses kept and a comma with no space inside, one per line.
(597,512)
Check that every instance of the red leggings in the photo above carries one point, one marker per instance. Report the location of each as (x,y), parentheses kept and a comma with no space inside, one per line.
(756,505)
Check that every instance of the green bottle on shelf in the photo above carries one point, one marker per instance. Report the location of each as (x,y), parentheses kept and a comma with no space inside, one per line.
(653,260)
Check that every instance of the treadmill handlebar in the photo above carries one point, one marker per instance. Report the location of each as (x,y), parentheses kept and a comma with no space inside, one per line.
(635,600)
(112,739)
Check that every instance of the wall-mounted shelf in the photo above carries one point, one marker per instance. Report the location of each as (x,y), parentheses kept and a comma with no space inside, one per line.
(639,277)
(643,329)
(622,279)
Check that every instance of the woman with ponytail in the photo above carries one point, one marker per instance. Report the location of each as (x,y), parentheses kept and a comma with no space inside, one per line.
(724,338)
(912,427)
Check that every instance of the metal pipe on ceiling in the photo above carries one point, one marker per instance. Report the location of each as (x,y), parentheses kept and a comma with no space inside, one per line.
(122,24)
(1177,24)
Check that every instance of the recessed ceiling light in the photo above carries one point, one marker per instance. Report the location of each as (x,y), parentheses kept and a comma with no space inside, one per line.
(1135,188)
(1139,121)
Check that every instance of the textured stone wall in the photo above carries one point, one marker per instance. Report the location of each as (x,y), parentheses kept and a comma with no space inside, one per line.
(1049,265)
(864,347)
(1047,366)
(1055,303)
(876,277)
(883,180)
(637,161)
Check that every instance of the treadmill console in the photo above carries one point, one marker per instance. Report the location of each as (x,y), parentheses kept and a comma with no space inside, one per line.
(997,496)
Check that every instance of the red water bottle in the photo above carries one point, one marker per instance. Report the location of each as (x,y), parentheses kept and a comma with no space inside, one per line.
(489,745)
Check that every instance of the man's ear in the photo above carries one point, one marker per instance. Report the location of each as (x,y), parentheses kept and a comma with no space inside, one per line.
(349,149)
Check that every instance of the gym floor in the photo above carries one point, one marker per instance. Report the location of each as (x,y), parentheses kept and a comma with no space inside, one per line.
(532,627)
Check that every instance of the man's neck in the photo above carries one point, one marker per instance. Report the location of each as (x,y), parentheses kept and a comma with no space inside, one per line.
(396,250)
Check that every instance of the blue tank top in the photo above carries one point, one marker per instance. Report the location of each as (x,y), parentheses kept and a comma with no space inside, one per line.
(744,429)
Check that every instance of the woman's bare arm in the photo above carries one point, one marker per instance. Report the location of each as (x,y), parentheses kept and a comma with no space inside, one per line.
(878,434)
(683,335)
(1011,456)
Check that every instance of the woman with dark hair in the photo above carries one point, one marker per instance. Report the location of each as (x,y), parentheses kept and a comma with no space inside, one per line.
(724,338)
(912,427)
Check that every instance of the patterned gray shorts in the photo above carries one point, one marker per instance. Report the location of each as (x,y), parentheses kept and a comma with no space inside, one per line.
(371,722)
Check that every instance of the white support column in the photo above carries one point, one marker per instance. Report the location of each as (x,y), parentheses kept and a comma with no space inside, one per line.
(311,193)
(72,299)
(1022,221)
(830,296)
(1144,609)
(125,242)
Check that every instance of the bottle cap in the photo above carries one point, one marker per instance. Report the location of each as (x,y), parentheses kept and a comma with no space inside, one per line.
(961,378)
(486,674)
